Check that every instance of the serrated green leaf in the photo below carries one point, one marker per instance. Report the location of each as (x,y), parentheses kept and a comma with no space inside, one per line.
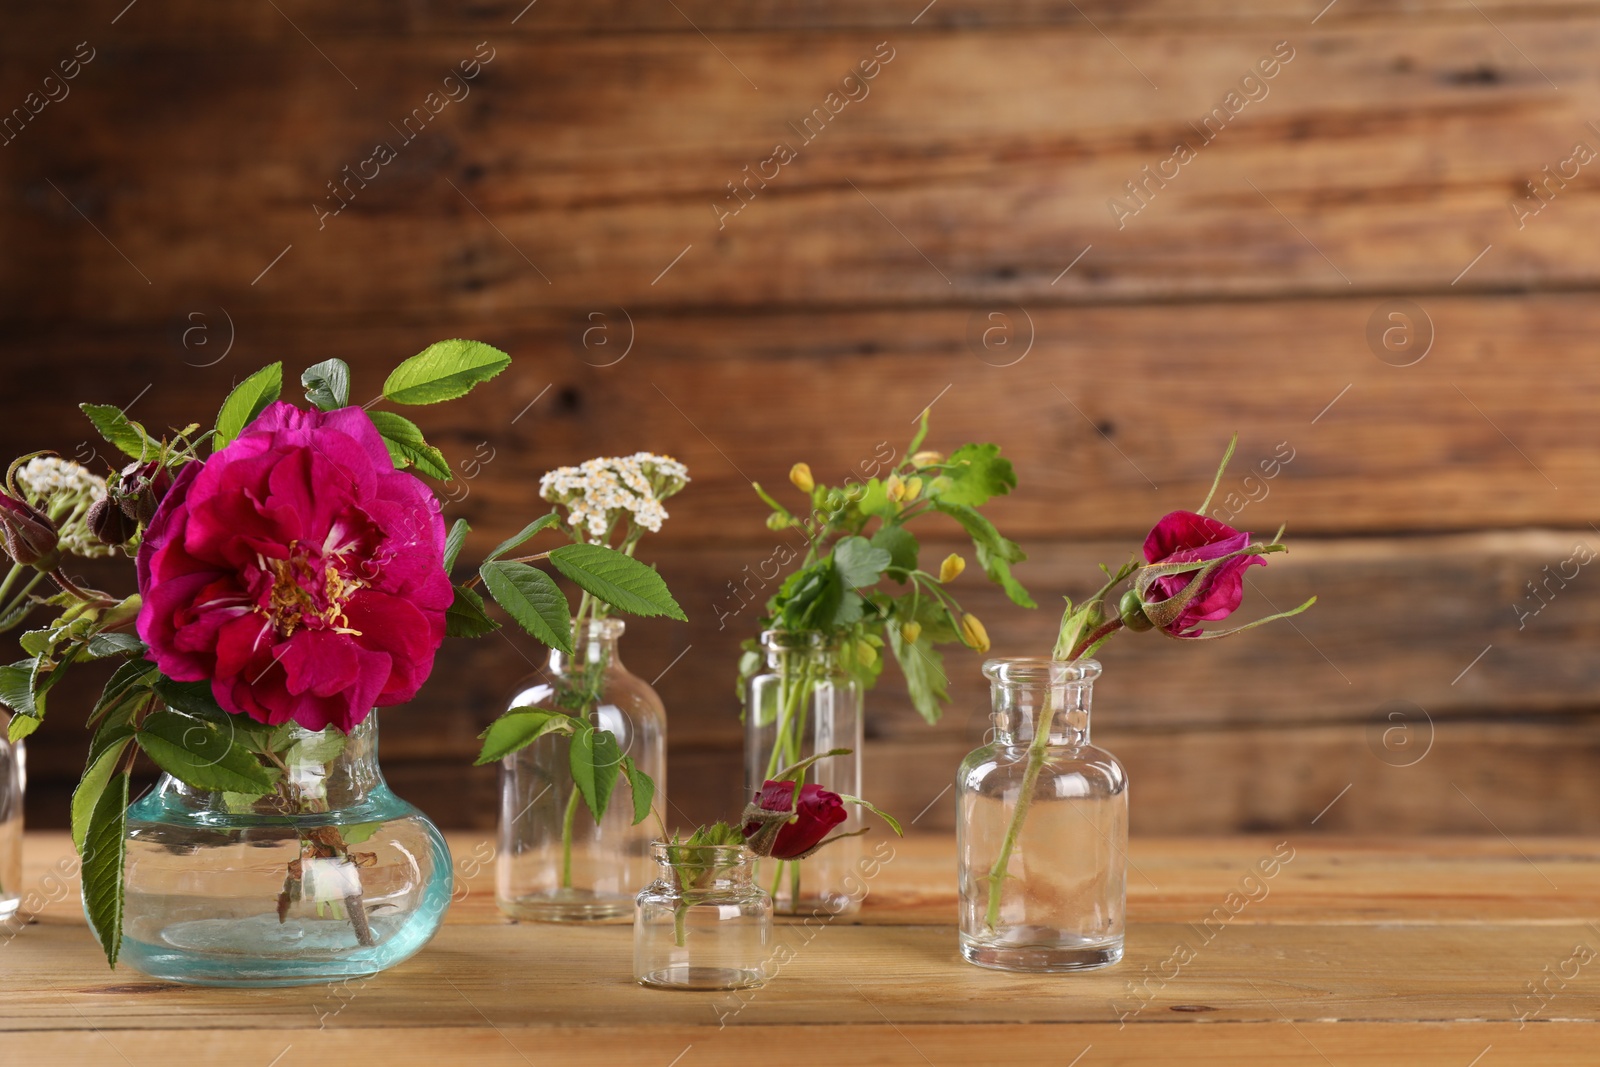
(901,544)
(923,666)
(407,447)
(531,597)
(643,788)
(619,580)
(995,553)
(247,401)
(465,617)
(522,536)
(319,749)
(596,761)
(443,371)
(104,852)
(327,384)
(859,562)
(199,754)
(517,729)
(128,436)
(191,698)
(21,727)
(131,678)
(113,644)
(454,542)
(86,797)
(38,642)
(875,500)
(976,472)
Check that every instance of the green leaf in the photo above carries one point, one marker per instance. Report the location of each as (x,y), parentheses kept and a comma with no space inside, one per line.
(248,400)
(809,599)
(127,435)
(114,644)
(995,553)
(16,687)
(517,729)
(976,473)
(134,678)
(643,788)
(104,851)
(923,666)
(875,500)
(21,726)
(901,544)
(199,754)
(524,535)
(596,760)
(466,617)
(191,698)
(454,542)
(320,749)
(356,833)
(38,642)
(531,597)
(619,580)
(443,371)
(894,824)
(407,447)
(86,798)
(859,562)
(328,384)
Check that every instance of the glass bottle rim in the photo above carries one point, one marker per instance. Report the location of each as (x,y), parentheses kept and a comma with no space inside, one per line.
(1040,670)
(603,627)
(796,640)
(701,855)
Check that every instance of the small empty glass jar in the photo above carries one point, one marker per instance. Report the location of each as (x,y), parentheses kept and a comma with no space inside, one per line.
(703,923)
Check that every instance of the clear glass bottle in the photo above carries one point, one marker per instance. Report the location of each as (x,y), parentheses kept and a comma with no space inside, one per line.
(555,864)
(802,704)
(703,923)
(1051,810)
(330,877)
(13,779)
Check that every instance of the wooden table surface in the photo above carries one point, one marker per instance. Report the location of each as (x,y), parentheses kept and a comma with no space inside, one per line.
(1407,951)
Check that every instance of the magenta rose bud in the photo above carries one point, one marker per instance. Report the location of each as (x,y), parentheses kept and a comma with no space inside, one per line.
(30,536)
(1185,537)
(141,489)
(298,572)
(817,812)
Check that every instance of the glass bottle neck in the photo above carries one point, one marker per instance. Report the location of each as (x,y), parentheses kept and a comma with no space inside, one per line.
(698,868)
(321,771)
(789,652)
(1030,696)
(595,644)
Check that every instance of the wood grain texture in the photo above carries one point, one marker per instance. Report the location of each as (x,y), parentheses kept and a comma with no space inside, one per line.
(1361,949)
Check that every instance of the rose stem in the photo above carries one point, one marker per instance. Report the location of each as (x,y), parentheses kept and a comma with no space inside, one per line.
(566,839)
(358,918)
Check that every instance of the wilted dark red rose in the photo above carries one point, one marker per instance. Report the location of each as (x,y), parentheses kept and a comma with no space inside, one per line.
(1185,537)
(817,812)
(109,524)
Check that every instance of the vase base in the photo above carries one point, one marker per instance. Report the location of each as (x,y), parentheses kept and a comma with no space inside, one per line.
(686,976)
(1041,958)
(569,906)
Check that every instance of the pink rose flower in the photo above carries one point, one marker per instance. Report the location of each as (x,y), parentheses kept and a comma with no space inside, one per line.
(298,572)
(1184,537)
(817,812)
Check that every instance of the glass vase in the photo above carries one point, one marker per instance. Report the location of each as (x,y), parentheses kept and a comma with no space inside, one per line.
(556,863)
(330,877)
(1042,827)
(703,923)
(13,778)
(802,704)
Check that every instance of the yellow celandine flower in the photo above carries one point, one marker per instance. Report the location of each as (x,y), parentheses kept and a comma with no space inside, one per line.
(951,568)
(913,488)
(927,458)
(800,476)
(974,634)
(894,488)
(910,632)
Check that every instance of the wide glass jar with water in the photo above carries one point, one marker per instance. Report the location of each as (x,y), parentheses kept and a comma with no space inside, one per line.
(703,923)
(329,877)
(1042,827)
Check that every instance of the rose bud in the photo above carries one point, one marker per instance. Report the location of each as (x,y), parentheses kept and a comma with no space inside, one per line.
(817,812)
(141,488)
(30,536)
(1177,602)
(800,476)
(1131,610)
(951,568)
(109,524)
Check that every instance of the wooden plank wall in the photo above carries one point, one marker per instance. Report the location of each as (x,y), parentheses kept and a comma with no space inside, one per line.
(163,230)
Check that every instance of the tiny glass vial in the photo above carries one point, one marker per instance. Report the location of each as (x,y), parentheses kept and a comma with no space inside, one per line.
(703,923)
(1042,827)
